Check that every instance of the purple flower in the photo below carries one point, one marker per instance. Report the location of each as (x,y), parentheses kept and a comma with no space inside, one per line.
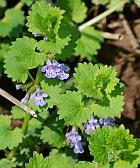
(74,138)
(36,34)
(25,99)
(78,148)
(107,122)
(18,86)
(38,97)
(91,124)
(45,38)
(54,69)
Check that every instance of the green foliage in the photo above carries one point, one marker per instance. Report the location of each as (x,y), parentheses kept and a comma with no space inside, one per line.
(22,56)
(44,19)
(75,10)
(49,162)
(111,144)
(53,131)
(53,47)
(3,3)
(72,109)
(28,2)
(137,2)
(89,43)
(122,163)
(100,2)
(8,138)
(101,84)
(8,23)
(52,91)
(5,163)
(17,113)
(84,164)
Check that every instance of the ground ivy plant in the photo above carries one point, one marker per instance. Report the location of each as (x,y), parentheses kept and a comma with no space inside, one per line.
(76,103)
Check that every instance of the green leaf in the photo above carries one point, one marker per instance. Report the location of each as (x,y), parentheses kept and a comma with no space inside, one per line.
(17,113)
(44,19)
(109,144)
(113,4)
(49,162)
(137,2)
(121,164)
(8,23)
(37,161)
(23,49)
(28,2)
(72,109)
(53,93)
(35,124)
(3,3)
(75,10)
(19,73)
(53,131)
(65,30)
(84,164)
(100,2)
(94,80)
(5,163)
(9,138)
(88,43)
(53,46)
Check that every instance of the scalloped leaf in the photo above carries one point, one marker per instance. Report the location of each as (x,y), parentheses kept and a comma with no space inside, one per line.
(28,2)
(53,46)
(107,144)
(122,163)
(19,73)
(8,23)
(75,10)
(49,162)
(95,80)
(84,164)
(65,30)
(17,113)
(44,19)
(23,49)
(89,43)
(9,138)
(53,93)
(5,163)
(72,109)
(53,131)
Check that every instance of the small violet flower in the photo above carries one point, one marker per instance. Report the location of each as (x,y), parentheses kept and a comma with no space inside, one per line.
(18,86)
(45,38)
(74,138)
(25,99)
(53,69)
(91,124)
(107,122)
(36,34)
(38,97)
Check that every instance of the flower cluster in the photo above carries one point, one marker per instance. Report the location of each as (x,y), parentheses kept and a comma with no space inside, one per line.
(53,69)
(93,123)
(107,122)
(38,97)
(74,138)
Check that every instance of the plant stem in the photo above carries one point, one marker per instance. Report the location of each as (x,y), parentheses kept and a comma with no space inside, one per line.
(101,16)
(24,131)
(38,75)
(19,5)
(30,76)
(25,124)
